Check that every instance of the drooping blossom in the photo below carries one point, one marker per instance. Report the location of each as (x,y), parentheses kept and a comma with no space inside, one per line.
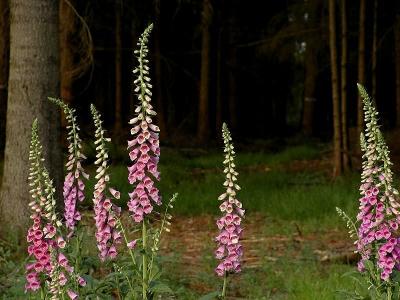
(44,236)
(144,147)
(379,217)
(106,212)
(74,186)
(229,249)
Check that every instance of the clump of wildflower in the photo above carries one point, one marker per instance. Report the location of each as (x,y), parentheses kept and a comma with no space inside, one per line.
(379,217)
(73,190)
(106,213)
(229,249)
(144,147)
(44,238)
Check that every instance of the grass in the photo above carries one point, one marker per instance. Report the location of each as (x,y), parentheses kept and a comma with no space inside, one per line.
(268,187)
(272,186)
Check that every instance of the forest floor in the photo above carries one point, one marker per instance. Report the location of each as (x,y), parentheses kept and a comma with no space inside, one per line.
(296,246)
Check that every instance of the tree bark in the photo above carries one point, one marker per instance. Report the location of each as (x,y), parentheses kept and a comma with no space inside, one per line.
(118,70)
(232,67)
(158,75)
(4,67)
(34,74)
(337,169)
(361,65)
(374,48)
(66,17)
(343,81)
(219,103)
(397,62)
(203,113)
(310,70)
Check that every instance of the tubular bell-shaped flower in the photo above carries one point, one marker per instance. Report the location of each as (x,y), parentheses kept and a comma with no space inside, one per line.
(144,147)
(73,190)
(44,238)
(379,217)
(106,213)
(229,249)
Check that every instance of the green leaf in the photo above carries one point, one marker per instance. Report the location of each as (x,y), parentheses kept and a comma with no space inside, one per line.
(160,288)
(211,296)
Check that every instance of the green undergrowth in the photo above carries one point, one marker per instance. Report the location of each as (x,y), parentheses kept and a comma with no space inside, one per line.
(291,198)
(268,184)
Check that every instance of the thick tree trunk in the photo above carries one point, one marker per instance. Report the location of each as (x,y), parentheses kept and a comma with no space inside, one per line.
(34,73)
(343,67)
(337,170)
(158,75)
(4,67)
(397,58)
(118,70)
(361,65)
(203,129)
(374,49)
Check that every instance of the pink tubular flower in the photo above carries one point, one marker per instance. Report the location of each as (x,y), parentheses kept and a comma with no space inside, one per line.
(229,249)
(106,212)
(144,147)
(378,217)
(73,190)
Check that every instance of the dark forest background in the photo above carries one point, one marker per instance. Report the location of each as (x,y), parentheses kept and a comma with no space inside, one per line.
(275,71)
(267,60)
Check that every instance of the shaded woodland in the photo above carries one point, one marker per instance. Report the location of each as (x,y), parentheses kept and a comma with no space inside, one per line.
(270,69)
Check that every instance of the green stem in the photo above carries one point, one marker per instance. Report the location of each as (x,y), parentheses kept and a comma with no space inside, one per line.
(224,286)
(144,264)
(126,241)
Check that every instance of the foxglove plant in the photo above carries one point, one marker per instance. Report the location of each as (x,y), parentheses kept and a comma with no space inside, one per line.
(144,147)
(144,152)
(106,213)
(50,267)
(378,219)
(229,249)
(73,190)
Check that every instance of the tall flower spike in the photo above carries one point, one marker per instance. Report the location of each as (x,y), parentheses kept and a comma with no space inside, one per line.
(106,213)
(144,147)
(229,248)
(379,216)
(73,190)
(44,238)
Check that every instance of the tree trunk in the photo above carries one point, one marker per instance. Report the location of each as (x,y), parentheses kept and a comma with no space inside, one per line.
(343,65)
(66,17)
(4,67)
(310,74)
(158,75)
(361,65)
(310,69)
(118,70)
(337,170)
(374,49)
(219,103)
(397,62)
(34,73)
(203,113)
(232,66)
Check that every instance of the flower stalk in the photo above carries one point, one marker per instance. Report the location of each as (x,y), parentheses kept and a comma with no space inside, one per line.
(229,249)
(74,187)
(106,212)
